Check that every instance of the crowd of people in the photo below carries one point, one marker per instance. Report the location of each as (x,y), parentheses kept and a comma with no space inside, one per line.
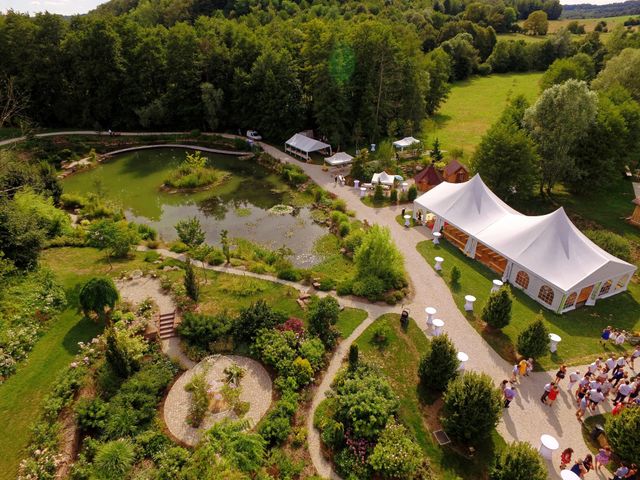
(612,379)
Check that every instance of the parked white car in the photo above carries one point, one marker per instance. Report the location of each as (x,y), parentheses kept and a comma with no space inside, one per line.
(254,135)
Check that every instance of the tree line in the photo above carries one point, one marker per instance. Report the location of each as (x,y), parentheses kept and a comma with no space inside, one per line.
(349,71)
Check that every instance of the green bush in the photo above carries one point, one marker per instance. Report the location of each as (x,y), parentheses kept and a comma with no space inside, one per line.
(203,330)
(455,276)
(497,311)
(396,455)
(622,434)
(381,335)
(340,205)
(352,241)
(151,256)
(275,428)
(215,257)
(533,341)
(124,350)
(313,350)
(91,414)
(178,247)
(378,194)
(378,257)
(613,243)
(113,460)
(344,288)
(472,408)
(291,274)
(369,287)
(519,461)
(146,232)
(351,467)
(97,294)
(344,228)
(254,318)
(412,194)
(199,402)
(191,284)
(353,355)
(301,370)
(327,284)
(440,364)
(71,201)
(393,196)
(276,348)
(323,315)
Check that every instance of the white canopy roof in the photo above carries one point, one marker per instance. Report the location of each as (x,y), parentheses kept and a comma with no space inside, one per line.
(306,144)
(383,178)
(339,158)
(405,142)
(549,246)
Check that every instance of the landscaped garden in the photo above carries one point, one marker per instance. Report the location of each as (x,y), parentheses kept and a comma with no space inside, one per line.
(579,329)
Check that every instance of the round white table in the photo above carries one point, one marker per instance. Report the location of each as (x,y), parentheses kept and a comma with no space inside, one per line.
(436,237)
(356,184)
(407,220)
(438,325)
(430,311)
(363,191)
(462,358)
(548,445)
(439,261)
(469,305)
(568,475)
(497,284)
(405,186)
(554,340)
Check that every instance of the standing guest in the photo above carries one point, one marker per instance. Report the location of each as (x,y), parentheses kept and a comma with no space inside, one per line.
(610,363)
(613,336)
(623,392)
(583,387)
(402,214)
(621,472)
(578,468)
(617,376)
(561,373)
(617,408)
(633,472)
(595,397)
(606,388)
(565,458)
(547,388)
(587,463)
(621,338)
(582,408)
(573,379)
(620,363)
(603,457)
(604,336)
(509,395)
(634,355)
(553,394)
(514,374)
(594,366)
(529,366)
(503,385)
(635,387)
(522,367)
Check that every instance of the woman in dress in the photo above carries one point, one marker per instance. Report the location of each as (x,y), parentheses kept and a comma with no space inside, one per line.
(561,373)
(553,394)
(587,463)
(603,457)
(565,458)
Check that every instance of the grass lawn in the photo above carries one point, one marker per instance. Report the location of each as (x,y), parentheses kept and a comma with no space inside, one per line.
(474,105)
(399,362)
(400,219)
(579,329)
(334,265)
(349,320)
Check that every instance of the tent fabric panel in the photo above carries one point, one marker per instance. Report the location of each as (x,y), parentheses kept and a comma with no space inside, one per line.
(306,144)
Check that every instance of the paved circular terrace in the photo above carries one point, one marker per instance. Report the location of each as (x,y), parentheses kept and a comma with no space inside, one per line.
(256,389)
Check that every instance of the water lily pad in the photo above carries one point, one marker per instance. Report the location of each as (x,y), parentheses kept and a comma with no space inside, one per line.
(281,209)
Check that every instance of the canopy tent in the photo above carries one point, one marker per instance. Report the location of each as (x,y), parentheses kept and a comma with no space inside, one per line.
(338,159)
(302,145)
(382,178)
(545,255)
(405,142)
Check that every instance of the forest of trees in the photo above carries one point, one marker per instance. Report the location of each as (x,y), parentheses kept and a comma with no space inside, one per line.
(349,70)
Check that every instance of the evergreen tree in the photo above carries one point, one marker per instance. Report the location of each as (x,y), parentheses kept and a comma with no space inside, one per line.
(226,247)
(533,341)
(440,364)
(497,310)
(353,356)
(191,282)
(436,153)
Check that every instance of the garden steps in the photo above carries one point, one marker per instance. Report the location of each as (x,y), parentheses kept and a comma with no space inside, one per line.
(166,325)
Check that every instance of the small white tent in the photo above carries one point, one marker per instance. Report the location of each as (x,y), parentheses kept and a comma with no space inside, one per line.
(302,145)
(382,178)
(405,142)
(338,159)
(546,255)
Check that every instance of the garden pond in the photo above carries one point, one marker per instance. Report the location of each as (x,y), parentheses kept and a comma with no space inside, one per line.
(240,205)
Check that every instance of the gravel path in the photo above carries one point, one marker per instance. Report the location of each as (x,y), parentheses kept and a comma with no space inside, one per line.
(256,387)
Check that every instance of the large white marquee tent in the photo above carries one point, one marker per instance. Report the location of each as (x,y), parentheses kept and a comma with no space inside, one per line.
(339,159)
(302,145)
(545,255)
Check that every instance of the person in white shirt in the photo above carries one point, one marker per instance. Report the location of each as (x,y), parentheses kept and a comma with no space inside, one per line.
(594,384)
(611,363)
(573,378)
(620,363)
(606,388)
(593,367)
(623,392)
(621,338)
(595,397)
(634,355)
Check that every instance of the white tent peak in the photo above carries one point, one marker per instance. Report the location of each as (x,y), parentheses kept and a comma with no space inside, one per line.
(383,178)
(405,142)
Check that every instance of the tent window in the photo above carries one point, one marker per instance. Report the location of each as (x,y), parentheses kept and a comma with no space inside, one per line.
(622,282)
(522,279)
(546,294)
(571,299)
(605,288)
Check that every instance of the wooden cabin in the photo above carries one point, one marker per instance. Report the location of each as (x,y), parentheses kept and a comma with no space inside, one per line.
(455,172)
(635,216)
(427,178)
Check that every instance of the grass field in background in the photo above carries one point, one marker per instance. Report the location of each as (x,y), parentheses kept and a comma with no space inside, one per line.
(474,105)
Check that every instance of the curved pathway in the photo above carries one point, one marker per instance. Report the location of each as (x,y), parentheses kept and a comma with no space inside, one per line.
(528,418)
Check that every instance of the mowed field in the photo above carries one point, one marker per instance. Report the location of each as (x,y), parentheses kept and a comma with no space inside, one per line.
(473,105)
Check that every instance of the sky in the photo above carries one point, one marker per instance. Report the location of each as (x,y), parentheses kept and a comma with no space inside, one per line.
(71,7)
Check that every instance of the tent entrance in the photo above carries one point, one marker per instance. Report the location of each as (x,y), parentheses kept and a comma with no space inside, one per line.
(455,236)
(491,259)
(584,296)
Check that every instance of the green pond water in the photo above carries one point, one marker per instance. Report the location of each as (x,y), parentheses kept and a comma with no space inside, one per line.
(240,205)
